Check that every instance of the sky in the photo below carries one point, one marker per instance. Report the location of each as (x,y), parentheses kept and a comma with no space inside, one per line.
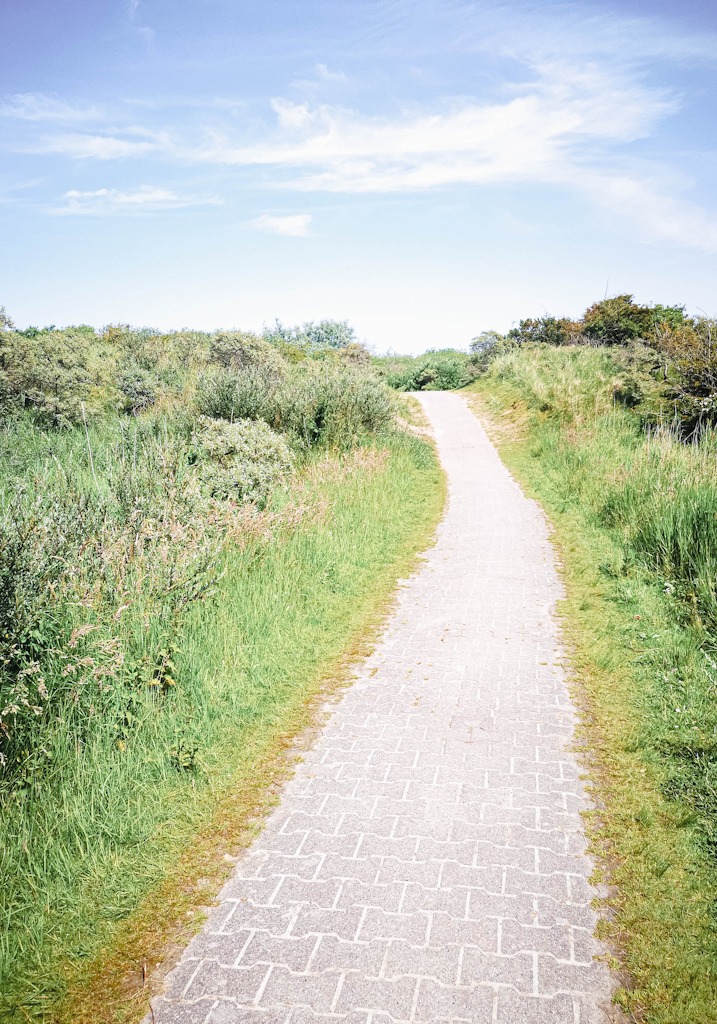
(426,169)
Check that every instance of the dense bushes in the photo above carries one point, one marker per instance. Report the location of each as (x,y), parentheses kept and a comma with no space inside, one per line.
(52,374)
(665,361)
(314,403)
(437,370)
(243,460)
(110,525)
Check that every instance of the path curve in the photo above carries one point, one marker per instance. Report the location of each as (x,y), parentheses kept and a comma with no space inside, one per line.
(427,860)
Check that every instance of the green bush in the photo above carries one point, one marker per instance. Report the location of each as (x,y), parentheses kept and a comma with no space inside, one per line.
(545,330)
(322,403)
(50,373)
(242,461)
(617,320)
(138,388)
(486,347)
(314,337)
(242,350)
(437,370)
(689,351)
(231,394)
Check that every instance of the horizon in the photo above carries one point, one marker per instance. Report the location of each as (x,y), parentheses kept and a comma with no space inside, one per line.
(424,170)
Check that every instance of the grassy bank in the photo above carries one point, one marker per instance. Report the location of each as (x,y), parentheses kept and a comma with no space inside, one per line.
(195,531)
(101,866)
(635,523)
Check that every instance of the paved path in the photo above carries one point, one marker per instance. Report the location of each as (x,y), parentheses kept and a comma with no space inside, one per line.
(426,862)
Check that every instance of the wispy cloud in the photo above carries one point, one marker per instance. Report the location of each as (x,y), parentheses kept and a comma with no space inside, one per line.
(81,146)
(325,73)
(647,204)
(145,33)
(145,199)
(563,112)
(294,225)
(38,106)
(568,112)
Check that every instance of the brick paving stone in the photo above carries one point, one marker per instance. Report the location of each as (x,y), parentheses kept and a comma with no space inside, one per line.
(427,860)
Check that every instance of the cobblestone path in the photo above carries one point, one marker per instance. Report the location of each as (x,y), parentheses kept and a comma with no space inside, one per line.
(426,862)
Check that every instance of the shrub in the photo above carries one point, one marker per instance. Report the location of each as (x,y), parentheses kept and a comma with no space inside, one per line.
(331,404)
(246,372)
(486,346)
(689,350)
(242,350)
(138,388)
(229,394)
(312,336)
(243,461)
(437,370)
(356,354)
(49,373)
(335,334)
(545,330)
(617,320)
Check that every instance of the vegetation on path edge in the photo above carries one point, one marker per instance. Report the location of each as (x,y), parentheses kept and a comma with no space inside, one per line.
(642,645)
(196,531)
(279,633)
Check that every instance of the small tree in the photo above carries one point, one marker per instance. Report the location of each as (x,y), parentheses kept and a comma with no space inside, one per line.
(329,334)
(544,330)
(484,347)
(690,353)
(617,320)
(6,321)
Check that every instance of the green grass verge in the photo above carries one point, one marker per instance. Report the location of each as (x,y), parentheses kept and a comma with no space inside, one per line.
(112,868)
(642,672)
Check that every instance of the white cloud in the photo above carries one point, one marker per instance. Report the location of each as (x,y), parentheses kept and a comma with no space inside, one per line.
(146,198)
(292,115)
(656,213)
(294,225)
(322,71)
(100,147)
(572,123)
(38,106)
(557,119)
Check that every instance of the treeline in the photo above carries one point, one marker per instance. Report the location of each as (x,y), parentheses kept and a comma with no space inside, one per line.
(667,359)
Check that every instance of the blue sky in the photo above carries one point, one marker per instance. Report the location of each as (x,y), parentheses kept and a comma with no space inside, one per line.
(425,168)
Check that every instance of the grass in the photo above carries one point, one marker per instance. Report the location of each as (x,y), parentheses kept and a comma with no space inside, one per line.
(112,864)
(634,519)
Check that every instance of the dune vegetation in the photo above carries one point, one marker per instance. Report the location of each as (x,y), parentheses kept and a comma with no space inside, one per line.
(196,532)
(614,432)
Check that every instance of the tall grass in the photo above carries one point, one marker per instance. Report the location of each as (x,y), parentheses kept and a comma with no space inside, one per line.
(117,806)
(192,529)
(635,510)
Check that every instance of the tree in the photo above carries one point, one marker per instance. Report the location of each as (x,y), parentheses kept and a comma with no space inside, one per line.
(329,334)
(6,321)
(544,330)
(484,347)
(617,320)
(312,336)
